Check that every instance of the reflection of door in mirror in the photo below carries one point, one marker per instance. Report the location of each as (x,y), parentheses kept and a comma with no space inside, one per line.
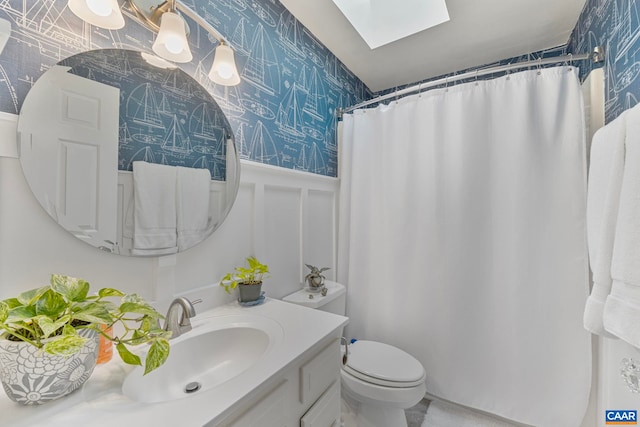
(69,153)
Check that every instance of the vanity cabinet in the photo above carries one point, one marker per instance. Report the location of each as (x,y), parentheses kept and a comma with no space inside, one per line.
(295,382)
(307,394)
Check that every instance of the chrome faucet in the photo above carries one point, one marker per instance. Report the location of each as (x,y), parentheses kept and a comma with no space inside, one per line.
(177,319)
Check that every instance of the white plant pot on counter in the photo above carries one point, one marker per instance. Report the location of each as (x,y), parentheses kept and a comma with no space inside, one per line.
(32,377)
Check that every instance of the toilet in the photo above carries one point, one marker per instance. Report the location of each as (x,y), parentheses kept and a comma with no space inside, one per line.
(378,381)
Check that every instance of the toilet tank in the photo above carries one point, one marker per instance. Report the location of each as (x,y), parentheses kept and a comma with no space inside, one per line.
(334,302)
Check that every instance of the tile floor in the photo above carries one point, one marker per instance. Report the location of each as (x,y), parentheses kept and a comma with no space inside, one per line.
(415,415)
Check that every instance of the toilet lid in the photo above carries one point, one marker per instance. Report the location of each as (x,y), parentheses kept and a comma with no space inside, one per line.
(382,363)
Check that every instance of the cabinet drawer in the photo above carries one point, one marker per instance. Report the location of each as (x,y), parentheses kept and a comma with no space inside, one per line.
(319,373)
(326,411)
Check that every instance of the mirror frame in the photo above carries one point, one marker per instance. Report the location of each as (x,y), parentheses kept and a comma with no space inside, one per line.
(133,69)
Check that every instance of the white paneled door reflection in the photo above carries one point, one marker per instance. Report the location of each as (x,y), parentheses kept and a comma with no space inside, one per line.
(69,153)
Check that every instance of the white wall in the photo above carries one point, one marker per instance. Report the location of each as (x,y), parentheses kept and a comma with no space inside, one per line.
(285,218)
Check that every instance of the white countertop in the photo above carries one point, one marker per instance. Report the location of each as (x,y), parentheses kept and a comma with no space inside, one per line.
(100,402)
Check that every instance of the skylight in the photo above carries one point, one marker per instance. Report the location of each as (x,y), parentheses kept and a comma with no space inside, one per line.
(380,22)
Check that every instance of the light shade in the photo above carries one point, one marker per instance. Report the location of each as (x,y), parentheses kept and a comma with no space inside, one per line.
(171,43)
(101,13)
(224,71)
(156,61)
(5,32)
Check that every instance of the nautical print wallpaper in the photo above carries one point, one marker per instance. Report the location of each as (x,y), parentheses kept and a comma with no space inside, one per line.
(532,56)
(166,117)
(283,111)
(614,24)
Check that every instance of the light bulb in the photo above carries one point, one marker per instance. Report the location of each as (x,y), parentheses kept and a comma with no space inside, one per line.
(99,7)
(101,13)
(173,44)
(225,71)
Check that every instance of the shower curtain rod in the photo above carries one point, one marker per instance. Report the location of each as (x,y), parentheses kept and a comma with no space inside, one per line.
(597,55)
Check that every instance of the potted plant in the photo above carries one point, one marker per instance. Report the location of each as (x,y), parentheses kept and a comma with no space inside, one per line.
(247,280)
(315,279)
(50,336)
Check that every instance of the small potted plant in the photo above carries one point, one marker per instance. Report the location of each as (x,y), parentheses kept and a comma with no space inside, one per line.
(247,280)
(315,279)
(50,335)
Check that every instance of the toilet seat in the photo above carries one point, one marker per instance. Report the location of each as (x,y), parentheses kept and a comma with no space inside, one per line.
(384,365)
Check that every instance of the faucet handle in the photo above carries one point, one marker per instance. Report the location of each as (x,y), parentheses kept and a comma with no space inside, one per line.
(194,302)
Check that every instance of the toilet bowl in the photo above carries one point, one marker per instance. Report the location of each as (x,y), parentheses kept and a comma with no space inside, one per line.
(378,381)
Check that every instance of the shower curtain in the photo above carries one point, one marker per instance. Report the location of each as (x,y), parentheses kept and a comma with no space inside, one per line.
(462,241)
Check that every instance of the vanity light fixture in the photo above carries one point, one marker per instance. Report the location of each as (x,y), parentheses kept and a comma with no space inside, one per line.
(101,13)
(156,61)
(223,70)
(165,17)
(171,42)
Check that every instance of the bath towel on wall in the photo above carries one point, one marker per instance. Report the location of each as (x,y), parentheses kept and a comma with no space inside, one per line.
(192,209)
(154,214)
(622,307)
(603,199)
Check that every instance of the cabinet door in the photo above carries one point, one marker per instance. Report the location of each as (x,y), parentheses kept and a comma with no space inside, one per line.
(326,411)
(270,411)
(318,374)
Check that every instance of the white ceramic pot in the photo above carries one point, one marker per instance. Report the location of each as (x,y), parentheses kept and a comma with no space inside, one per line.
(32,377)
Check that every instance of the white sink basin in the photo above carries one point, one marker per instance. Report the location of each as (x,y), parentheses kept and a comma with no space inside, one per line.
(216,351)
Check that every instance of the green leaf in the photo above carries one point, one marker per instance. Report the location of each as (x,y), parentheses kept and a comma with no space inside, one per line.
(20,314)
(71,288)
(48,326)
(147,324)
(127,356)
(134,307)
(253,262)
(4,311)
(93,313)
(51,304)
(109,306)
(133,298)
(157,355)
(29,297)
(69,330)
(109,292)
(12,303)
(65,345)
(138,337)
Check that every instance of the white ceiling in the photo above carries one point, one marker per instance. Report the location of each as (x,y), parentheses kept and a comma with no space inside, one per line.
(479,32)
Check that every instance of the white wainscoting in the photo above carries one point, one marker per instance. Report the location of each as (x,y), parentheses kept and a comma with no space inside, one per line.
(286,218)
(8,127)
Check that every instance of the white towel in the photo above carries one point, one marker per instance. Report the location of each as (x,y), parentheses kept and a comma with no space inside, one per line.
(622,308)
(154,216)
(193,193)
(603,198)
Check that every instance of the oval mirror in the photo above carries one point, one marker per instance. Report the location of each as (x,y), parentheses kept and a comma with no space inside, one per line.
(128,152)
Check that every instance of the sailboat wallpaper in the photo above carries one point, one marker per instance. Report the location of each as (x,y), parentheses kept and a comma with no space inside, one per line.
(164,115)
(614,24)
(282,113)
